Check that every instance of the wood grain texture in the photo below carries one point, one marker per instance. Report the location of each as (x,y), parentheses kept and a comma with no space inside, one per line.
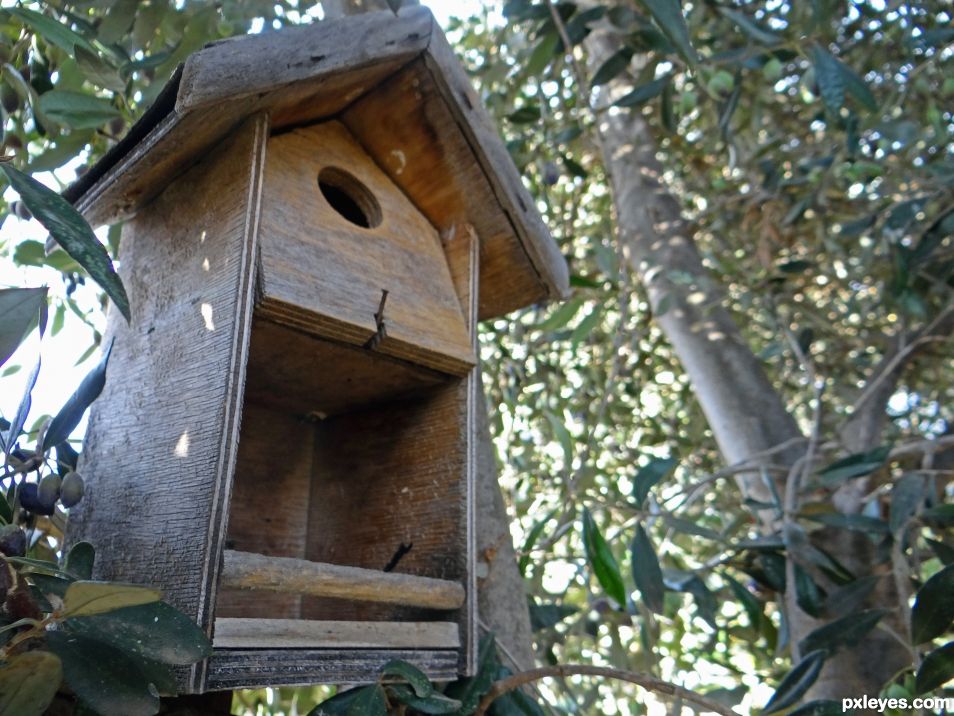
(245,570)
(323,69)
(324,274)
(432,161)
(268,509)
(390,475)
(514,200)
(462,249)
(310,378)
(161,443)
(302,634)
(298,59)
(258,668)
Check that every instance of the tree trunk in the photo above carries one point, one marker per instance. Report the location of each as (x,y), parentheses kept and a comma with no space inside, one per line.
(746,414)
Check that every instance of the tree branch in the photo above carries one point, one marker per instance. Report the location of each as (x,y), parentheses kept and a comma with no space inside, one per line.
(649,683)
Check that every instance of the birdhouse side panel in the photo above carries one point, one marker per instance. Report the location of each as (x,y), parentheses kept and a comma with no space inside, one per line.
(161,438)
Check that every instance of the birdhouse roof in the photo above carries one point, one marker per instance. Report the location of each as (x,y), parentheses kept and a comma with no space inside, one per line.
(395,83)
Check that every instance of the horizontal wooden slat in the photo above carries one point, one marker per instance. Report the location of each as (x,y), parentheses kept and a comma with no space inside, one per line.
(310,634)
(258,668)
(244,570)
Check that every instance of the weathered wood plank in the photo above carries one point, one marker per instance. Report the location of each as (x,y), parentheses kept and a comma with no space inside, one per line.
(268,509)
(307,634)
(289,371)
(324,273)
(482,135)
(174,387)
(274,62)
(258,668)
(244,570)
(430,158)
(462,248)
(385,476)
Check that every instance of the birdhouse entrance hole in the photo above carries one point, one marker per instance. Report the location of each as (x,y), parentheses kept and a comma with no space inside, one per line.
(349,197)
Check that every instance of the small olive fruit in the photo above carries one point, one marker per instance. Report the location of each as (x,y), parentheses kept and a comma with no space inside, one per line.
(30,500)
(48,491)
(13,541)
(72,489)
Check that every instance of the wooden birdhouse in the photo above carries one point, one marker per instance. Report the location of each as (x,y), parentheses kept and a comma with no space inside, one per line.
(315,219)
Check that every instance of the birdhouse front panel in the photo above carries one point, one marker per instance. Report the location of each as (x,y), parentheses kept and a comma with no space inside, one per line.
(335,233)
(286,441)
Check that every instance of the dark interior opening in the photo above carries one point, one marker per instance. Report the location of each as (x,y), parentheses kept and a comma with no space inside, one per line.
(349,197)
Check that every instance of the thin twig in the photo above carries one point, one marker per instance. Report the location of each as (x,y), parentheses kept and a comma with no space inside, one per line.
(927,336)
(649,683)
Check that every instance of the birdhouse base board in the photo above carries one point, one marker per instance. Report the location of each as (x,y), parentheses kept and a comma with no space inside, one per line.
(309,634)
(230,669)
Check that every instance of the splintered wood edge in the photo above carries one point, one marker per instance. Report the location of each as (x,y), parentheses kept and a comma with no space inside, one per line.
(245,570)
(233,633)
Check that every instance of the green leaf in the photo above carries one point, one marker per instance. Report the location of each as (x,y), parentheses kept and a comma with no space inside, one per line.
(807,593)
(471,690)
(76,109)
(79,560)
(668,15)
(617,62)
(858,523)
(658,468)
(51,30)
(796,682)
(102,677)
(830,78)
(941,516)
(936,669)
(19,312)
(858,88)
(528,114)
(89,598)
(28,683)
(98,71)
(70,230)
(563,315)
(846,631)
(156,631)
(646,571)
(72,412)
(943,552)
(907,494)
(750,603)
(643,93)
(602,561)
(436,703)
(48,584)
(856,465)
(415,677)
(562,435)
(8,440)
(690,528)
(750,27)
(541,56)
(933,610)
(849,598)
(822,707)
(369,702)
(544,616)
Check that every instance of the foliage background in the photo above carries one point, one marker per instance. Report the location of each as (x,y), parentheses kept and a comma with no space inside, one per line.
(819,192)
